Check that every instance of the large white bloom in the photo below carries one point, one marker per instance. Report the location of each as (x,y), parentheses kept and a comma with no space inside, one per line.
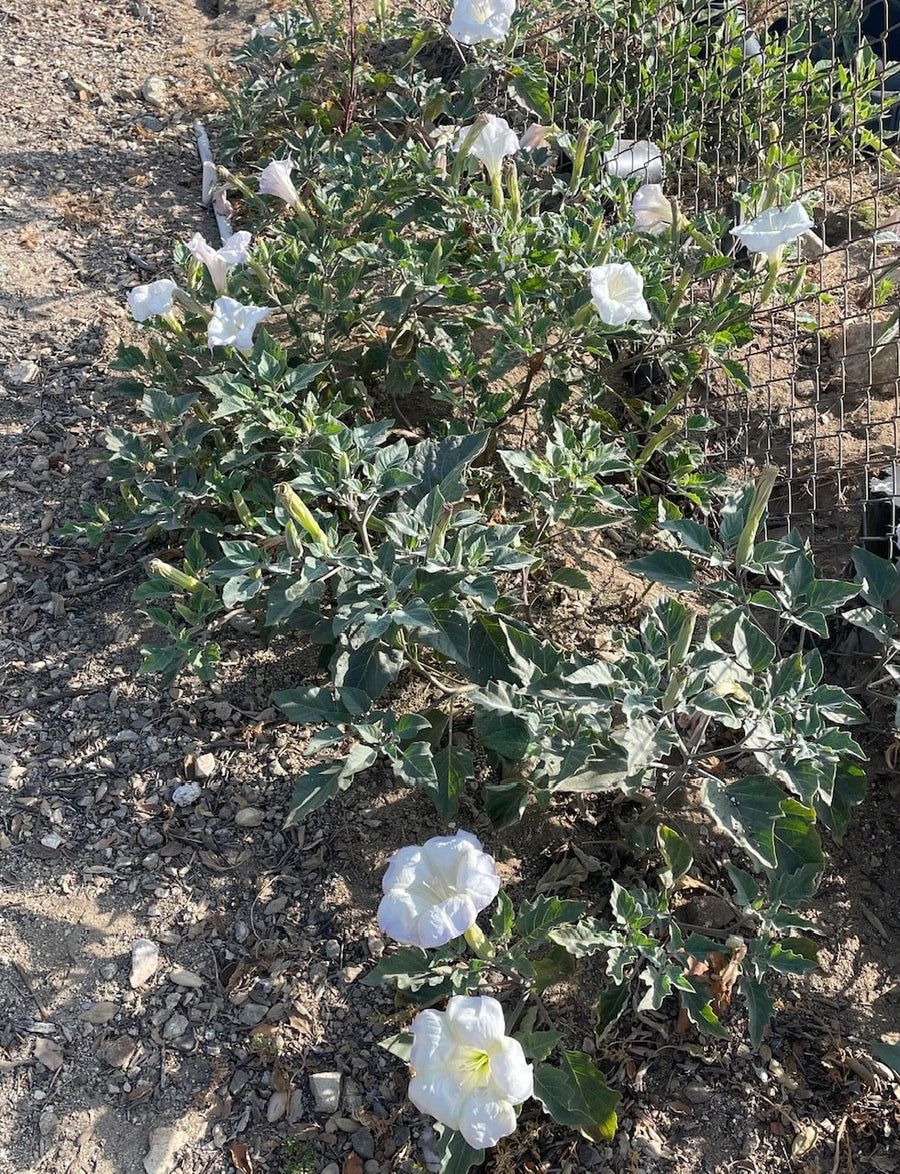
(153,300)
(492,144)
(233,324)
(472,21)
(234,251)
(773,229)
(275,180)
(628,158)
(434,893)
(617,291)
(467,1072)
(652,210)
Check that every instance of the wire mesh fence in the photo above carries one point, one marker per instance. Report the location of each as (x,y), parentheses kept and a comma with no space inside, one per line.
(818,80)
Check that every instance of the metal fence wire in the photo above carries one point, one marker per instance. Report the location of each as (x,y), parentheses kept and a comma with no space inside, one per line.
(820,78)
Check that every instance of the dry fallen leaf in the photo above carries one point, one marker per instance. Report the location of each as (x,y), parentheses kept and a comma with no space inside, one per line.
(49,1052)
(352,1164)
(240,1157)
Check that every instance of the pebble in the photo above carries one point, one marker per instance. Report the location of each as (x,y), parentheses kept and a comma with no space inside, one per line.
(118,1052)
(363,1143)
(326,1090)
(144,961)
(186,794)
(154,91)
(204,766)
(277,1107)
(253,1013)
(331,1168)
(249,817)
(18,374)
(182,977)
(177,1025)
(47,1122)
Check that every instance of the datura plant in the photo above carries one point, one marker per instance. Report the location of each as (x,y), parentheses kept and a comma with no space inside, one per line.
(466,315)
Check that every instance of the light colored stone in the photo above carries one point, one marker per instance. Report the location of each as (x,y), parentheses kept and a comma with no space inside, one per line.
(182,977)
(165,1141)
(326,1090)
(276,1107)
(186,794)
(144,961)
(19,374)
(154,91)
(249,817)
(204,766)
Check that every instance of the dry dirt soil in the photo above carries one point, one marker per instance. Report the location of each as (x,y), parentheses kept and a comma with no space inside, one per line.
(253,939)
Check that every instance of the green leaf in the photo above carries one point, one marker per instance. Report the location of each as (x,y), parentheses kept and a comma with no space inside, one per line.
(576,1094)
(455,1153)
(879,578)
(677,854)
(370,668)
(552,968)
(571,577)
(453,765)
(505,802)
(737,371)
(415,764)
(849,790)
(699,1011)
(746,889)
(506,734)
(797,847)
(537,1045)
(399,1045)
(536,918)
(760,1006)
(747,810)
(502,918)
(667,567)
(609,1007)
(438,464)
(586,936)
(322,782)
(530,91)
(308,706)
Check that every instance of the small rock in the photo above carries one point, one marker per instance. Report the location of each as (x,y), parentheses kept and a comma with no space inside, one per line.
(49,1052)
(101,1012)
(238,1081)
(47,1122)
(241,931)
(326,1090)
(249,817)
(164,1144)
(363,1143)
(204,766)
(118,1052)
(144,961)
(182,977)
(331,1168)
(277,1107)
(253,1013)
(18,374)
(177,1025)
(52,841)
(154,91)
(186,794)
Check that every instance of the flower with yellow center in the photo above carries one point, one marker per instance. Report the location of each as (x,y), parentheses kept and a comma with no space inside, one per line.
(467,1072)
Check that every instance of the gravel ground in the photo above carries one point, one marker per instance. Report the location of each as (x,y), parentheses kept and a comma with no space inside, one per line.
(179,984)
